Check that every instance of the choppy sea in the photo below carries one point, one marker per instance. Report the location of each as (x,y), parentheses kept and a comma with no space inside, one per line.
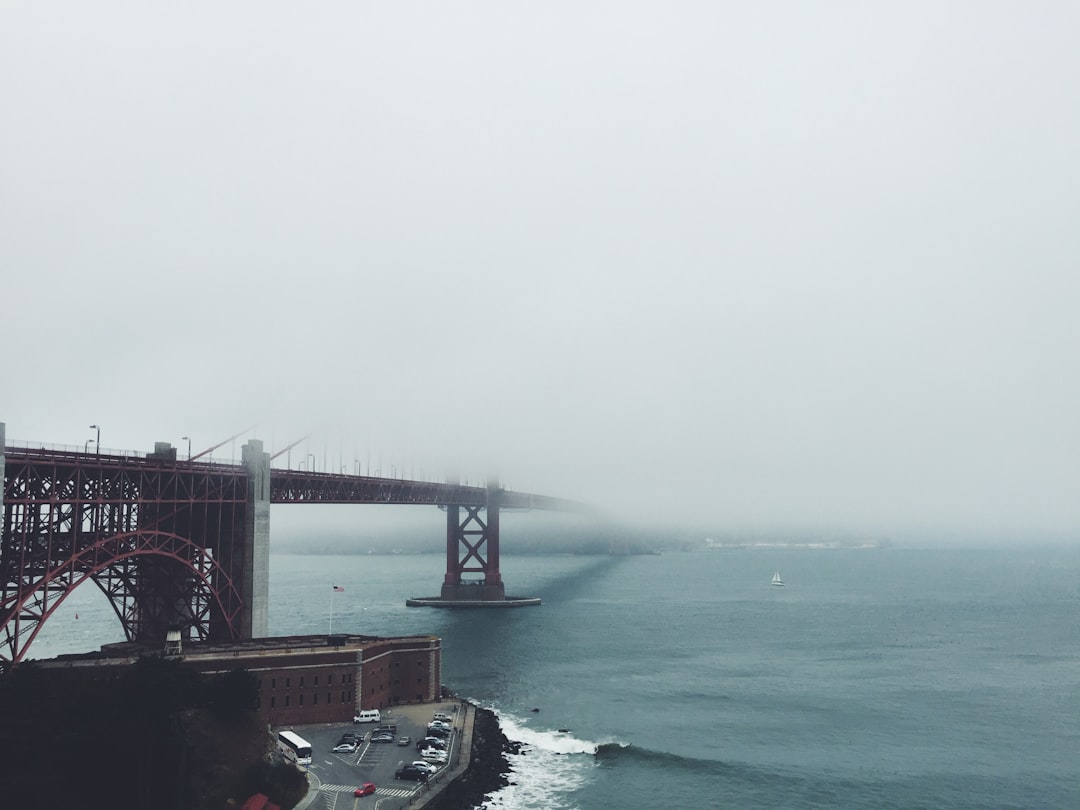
(874,678)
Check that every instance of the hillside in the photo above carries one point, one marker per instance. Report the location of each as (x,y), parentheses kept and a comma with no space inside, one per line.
(154,734)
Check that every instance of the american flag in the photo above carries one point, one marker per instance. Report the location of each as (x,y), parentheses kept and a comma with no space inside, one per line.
(339,589)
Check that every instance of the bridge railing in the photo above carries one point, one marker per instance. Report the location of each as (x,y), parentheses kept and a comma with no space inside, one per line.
(181,458)
(107,455)
(81,449)
(71,451)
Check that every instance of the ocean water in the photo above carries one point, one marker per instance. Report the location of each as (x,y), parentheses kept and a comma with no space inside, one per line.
(876,678)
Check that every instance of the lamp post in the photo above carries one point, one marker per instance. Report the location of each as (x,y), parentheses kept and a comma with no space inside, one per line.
(312,457)
(97,441)
(182,438)
(86,446)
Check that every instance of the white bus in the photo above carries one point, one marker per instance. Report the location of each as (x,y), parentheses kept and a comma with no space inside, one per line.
(294,747)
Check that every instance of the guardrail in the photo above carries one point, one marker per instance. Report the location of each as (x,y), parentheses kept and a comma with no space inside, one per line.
(444,777)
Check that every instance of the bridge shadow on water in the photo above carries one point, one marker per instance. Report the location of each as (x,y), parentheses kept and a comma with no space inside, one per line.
(577,581)
(488,653)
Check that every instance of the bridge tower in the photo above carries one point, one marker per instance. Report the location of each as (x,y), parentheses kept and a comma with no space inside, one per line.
(472,576)
(255,618)
(472,547)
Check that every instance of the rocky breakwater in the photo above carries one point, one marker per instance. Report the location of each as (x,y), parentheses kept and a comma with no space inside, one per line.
(488,766)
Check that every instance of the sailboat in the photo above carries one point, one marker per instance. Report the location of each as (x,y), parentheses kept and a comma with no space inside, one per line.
(776,579)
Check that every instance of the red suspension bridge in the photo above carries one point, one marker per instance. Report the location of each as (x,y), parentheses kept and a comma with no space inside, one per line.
(184,544)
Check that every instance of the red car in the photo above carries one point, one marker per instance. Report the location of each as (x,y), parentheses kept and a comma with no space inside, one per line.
(365,789)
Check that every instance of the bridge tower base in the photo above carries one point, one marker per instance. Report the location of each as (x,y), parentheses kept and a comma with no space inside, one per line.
(472,560)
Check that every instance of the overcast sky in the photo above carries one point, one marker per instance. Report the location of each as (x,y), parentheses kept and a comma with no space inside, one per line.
(756,264)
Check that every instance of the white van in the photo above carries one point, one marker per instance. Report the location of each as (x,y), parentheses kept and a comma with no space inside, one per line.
(368,716)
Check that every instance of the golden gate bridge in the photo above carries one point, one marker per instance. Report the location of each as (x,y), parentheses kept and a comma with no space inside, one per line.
(184,544)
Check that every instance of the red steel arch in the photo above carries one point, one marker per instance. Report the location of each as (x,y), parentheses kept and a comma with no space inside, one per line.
(108,563)
(163,541)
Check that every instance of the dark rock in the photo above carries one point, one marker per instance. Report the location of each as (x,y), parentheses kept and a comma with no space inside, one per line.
(488,766)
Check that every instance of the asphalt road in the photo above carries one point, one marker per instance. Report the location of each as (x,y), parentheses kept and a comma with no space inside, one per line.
(340,774)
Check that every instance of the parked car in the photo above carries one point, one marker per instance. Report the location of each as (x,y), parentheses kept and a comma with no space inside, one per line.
(441,716)
(382,738)
(404,740)
(411,772)
(345,747)
(434,755)
(430,742)
(365,789)
(424,765)
(438,731)
(352,735)
(391,727)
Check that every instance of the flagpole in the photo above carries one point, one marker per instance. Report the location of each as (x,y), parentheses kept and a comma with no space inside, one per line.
(333,590)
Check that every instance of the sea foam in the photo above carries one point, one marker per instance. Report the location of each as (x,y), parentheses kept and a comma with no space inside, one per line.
(551,765)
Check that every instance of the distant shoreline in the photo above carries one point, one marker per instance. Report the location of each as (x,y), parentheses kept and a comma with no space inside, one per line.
(824,545)
(684,547)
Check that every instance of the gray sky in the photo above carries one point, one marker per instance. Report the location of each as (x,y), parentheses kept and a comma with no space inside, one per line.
(760,265)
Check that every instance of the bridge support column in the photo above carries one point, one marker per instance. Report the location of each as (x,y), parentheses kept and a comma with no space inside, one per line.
(472,576)
(255,618)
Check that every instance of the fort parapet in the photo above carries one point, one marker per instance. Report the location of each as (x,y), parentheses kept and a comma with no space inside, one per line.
(302,679)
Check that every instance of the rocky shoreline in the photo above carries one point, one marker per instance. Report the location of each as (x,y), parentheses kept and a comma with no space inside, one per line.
(488,766)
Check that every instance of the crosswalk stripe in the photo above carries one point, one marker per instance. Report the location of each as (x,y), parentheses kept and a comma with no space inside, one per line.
(397,792)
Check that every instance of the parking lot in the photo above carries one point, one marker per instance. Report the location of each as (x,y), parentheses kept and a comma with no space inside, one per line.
(339,774)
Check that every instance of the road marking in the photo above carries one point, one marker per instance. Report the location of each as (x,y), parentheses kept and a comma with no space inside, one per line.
(396,792)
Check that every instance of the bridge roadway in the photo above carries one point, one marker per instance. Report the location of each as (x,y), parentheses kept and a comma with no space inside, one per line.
(185,543)
(292,486)
(286,486)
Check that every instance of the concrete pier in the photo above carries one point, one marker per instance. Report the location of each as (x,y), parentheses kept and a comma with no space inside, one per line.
(505,602)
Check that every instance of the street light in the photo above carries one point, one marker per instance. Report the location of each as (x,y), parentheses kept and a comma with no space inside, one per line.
(312,457)
(97,441)
(86,446)
(182,438)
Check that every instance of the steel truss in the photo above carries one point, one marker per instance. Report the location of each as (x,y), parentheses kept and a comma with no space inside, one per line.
(291,486)
(288,486)
(162,542)
(472,547)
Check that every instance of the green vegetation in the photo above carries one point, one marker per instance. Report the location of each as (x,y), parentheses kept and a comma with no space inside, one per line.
(152,735)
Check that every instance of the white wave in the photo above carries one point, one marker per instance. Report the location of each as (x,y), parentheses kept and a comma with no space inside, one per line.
(548,770)
(559,742)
